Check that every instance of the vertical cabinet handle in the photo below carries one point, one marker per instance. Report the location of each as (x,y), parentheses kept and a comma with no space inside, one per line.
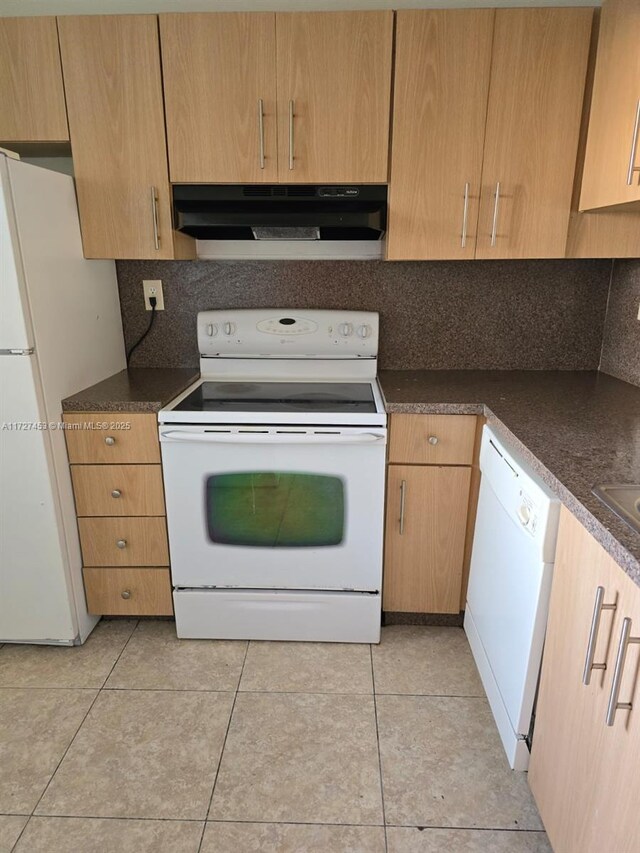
(154,215)
(261,130)
(598,607)
(403,492)
(494,224)
(465,214)
(625,641)
(634,147)
(291,115)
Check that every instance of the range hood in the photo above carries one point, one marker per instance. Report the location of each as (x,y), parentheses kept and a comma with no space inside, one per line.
(281,212)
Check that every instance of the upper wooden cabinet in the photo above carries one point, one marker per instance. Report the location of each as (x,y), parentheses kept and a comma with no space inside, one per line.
(113,86)
(583,772)
(538,76)
(334,91)
(219,74)
(442,67)
(602,233)
(538,62)
(612,162)
(32,107)
(319,83)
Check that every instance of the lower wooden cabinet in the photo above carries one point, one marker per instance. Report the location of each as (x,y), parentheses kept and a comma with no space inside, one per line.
(117,484)
(128,592)
(425,537)
(583,772)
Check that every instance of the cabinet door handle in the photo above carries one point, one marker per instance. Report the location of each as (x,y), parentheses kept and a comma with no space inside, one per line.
(403,493)
(116,493)
(625,641)
(126,594)
(154,216)
(494,224)
(634,147)
(291,116)
(598,607)
(465,214)
(110,440)
(121,543)
(261,130)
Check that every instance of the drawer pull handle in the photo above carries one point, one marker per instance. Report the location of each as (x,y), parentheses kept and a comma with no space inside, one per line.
(121,543)
(598,607)
(625,641)
(116,493)
(110,440)
(433,439)
(126,593)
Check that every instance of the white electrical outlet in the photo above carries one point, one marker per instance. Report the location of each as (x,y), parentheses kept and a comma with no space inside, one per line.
(153,288)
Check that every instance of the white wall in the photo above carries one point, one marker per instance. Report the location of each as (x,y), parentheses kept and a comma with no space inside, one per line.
(85,7)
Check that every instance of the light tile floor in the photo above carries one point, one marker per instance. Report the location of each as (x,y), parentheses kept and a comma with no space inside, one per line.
(138,742)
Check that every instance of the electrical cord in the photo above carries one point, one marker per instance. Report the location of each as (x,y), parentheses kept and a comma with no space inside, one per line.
(153,301)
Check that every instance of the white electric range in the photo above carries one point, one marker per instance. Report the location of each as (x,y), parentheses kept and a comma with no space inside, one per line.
(274,470)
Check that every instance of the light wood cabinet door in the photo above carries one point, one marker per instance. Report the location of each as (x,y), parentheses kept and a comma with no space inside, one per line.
(612,162)
(219,74)
(603,233)
(113,86)
(582,772)
(538,76)
(334,90)
(426,521)
(32,107)
(441,87)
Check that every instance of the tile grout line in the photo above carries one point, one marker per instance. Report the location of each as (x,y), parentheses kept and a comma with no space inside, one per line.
(95,699)
(375,714)
(224,743)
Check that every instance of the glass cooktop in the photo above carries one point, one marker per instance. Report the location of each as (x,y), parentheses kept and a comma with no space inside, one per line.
(331,397)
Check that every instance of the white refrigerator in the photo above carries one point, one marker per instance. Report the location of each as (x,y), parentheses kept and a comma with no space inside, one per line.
(60,331)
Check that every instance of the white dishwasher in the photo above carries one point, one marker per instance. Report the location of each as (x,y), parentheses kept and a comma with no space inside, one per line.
(509,586)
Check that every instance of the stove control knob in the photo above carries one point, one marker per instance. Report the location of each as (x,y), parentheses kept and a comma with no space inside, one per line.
(346,329)
(364,331)
(229,329)
(212,330)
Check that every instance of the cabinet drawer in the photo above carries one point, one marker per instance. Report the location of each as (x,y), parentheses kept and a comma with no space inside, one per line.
(432,439)
(143,541)
(112,437)
(118,489)
(128,592)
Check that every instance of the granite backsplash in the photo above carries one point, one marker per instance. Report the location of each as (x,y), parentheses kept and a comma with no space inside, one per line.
(621,343)
(539,315)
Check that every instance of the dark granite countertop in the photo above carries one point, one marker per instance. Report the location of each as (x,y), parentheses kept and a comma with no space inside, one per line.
(576,429)
(138,389)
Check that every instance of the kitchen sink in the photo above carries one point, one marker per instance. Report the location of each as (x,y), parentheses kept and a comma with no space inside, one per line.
(623,499)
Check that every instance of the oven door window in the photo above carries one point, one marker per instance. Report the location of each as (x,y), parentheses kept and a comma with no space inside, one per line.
(275,509)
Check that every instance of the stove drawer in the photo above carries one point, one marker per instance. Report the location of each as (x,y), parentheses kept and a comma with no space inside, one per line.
(128,592)
(118,489)
(124,541)
(432,439)
(111,437)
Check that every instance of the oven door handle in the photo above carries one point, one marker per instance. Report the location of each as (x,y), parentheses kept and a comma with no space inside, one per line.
(273,438)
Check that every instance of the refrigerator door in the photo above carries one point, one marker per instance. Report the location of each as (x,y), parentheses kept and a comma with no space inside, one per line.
(35,592)
(15,325)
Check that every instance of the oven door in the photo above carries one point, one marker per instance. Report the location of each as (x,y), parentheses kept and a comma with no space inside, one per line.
(275,507)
